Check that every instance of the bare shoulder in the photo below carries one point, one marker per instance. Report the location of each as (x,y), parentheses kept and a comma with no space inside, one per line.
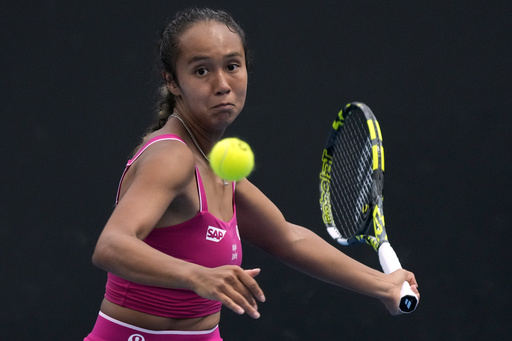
(170,163)
(259,219)
(246,193)
(250,198)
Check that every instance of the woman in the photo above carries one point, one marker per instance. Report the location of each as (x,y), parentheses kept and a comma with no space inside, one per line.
(172,244)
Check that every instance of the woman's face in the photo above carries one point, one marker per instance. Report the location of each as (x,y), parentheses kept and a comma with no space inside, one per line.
(211,73)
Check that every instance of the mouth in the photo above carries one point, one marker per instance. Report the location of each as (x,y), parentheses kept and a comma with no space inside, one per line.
(224,106)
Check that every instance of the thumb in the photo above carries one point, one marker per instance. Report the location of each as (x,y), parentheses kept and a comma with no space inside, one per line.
(253,272)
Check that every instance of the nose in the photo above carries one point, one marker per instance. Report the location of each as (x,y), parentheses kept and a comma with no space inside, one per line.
(221,84)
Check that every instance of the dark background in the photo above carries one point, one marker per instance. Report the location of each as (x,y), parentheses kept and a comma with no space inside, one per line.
(77,91)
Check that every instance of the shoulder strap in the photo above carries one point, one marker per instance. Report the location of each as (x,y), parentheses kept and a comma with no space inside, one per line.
(164,137)
(155,139)
(203,204)
(233,188)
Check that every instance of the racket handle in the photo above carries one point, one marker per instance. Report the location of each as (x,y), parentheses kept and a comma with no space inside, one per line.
(390,263)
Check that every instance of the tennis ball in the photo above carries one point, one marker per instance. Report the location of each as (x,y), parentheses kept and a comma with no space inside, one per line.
(232,159)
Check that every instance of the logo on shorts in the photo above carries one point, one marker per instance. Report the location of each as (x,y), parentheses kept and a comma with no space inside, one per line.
(214,234)
(136,337)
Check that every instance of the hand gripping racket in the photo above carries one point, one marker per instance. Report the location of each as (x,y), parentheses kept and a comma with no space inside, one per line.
(351,183)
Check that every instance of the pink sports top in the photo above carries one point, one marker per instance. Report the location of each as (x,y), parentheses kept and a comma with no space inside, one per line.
(204,240)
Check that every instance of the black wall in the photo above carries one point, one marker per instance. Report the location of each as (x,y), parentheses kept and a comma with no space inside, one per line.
(77,89)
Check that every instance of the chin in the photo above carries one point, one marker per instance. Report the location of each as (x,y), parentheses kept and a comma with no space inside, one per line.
(226,116)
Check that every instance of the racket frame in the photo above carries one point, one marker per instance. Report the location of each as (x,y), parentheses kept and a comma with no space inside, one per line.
(372,230)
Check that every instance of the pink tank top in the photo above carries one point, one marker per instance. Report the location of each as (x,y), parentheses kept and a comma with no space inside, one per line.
(204,240)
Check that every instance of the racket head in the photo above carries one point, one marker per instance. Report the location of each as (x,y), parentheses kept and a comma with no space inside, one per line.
(352,178)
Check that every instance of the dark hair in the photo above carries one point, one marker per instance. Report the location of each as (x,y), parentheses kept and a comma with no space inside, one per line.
(168,51)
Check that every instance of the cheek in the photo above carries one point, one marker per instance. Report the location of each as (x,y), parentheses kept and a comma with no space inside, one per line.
(194,94)
(241,89)
(243,95)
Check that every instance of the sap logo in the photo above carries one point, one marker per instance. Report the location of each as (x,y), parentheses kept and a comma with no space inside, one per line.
(214,234)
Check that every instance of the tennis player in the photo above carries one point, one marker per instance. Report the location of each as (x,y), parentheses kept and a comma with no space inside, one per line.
(172,245)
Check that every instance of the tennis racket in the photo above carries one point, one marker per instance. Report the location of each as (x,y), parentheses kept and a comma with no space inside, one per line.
(351,183)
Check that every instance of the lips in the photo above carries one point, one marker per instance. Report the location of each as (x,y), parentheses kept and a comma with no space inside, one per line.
(224,106)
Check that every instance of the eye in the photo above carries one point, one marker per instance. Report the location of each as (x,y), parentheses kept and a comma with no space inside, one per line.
(201,72)
(233,67)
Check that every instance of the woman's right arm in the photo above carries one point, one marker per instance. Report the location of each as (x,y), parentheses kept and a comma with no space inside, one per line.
(156,181)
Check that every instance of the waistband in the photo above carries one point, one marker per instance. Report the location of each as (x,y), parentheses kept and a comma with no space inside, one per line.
(110,329)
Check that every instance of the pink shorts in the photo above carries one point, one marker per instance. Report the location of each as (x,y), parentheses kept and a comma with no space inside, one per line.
(109,329)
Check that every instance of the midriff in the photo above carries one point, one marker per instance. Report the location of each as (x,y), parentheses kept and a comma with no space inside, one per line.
(153,322)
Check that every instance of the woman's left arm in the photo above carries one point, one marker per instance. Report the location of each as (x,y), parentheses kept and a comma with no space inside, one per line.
(262,224)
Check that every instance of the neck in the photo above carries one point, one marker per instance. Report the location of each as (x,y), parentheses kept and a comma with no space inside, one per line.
(192,136)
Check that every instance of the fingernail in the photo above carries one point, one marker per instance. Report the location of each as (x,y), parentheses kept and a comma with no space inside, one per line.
(256,315)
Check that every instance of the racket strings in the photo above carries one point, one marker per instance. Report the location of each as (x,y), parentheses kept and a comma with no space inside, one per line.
(351,179)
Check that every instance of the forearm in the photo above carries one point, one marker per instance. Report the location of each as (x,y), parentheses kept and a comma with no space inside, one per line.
(134,260)
(314,256)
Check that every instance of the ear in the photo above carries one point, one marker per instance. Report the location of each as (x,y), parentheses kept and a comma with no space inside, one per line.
(172,86)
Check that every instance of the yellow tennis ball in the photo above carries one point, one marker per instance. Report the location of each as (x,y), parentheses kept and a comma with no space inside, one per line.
(232,159)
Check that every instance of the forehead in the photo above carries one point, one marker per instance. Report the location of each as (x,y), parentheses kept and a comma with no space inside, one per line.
(209,38)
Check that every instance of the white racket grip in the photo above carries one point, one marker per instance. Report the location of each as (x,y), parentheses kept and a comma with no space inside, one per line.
(388,259)
(390,263)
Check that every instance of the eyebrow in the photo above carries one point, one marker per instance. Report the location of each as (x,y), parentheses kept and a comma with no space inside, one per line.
(200,58)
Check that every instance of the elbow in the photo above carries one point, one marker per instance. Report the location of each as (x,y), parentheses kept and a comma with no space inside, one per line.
(97,258)
(102,255)
(287,247)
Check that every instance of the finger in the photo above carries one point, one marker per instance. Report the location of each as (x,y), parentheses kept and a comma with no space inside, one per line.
(411,278)
(240,304)
(245,297)
(253,272)
(413,283)
(236,295)
(250,294)
(414,288)
(251,284)
(230,304)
